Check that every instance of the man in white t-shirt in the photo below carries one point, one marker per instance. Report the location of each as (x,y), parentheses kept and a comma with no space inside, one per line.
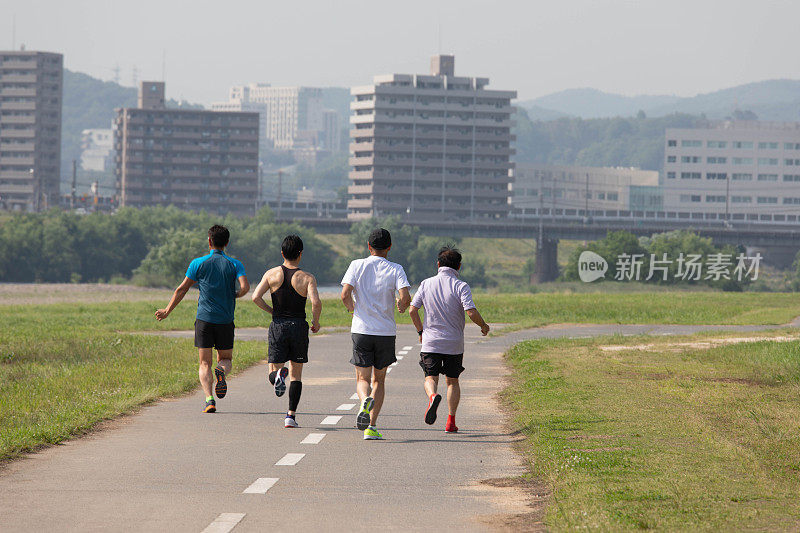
(368,291)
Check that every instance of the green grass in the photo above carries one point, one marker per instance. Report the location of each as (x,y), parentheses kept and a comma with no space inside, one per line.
(666,439)
(68,366)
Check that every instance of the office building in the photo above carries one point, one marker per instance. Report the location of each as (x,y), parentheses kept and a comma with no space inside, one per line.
(30,129)
(571,190)
(745,169)
(433,147)
(97,145)
(193,159)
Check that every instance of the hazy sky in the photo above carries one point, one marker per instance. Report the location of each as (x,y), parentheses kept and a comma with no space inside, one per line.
(679,47)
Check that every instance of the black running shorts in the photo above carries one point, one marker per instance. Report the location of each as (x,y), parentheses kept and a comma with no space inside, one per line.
(373,350)
(210,335)
(434,364)
(288,340)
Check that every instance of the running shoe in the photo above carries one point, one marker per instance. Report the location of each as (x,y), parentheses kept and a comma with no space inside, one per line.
(211,406)
(433,404)
(290,422)
(362,420)
(280,381)
(372,434)
(450,428)
(222,388)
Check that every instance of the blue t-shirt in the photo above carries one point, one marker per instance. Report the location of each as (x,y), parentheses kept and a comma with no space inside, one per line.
(216,275)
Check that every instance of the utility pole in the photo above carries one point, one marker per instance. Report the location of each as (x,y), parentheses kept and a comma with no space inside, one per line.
(37,190)
(586,198)
(260,179)
(280,192)
(94,188)
(727,197)
(74,181)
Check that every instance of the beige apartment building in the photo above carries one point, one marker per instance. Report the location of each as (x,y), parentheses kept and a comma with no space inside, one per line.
(571,190)
(30,129)
(193,159)
(433,147)
(745,169)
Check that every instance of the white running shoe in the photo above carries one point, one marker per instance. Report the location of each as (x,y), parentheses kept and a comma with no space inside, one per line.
(290,422)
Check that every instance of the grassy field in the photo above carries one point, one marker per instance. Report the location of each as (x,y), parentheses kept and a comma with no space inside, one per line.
(69,365)
(670,437)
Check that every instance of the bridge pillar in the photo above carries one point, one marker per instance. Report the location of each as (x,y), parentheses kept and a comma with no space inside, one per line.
(546,265)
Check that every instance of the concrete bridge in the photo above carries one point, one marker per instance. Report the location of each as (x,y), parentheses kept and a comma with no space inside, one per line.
(776,237)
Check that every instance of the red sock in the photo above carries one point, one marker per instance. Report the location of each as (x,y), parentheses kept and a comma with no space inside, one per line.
(451,420)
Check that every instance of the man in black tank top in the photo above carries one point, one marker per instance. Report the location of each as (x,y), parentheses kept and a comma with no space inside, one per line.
(288,331)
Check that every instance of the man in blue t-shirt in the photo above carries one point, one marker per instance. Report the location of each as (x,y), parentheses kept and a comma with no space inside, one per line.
(221,279)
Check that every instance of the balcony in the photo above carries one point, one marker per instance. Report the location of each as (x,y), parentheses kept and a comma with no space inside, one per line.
(353,203)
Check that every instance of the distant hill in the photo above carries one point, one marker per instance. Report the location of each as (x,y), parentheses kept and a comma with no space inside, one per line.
(769,100)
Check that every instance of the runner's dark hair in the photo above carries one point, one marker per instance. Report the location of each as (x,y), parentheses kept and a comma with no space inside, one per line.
(219,236)
(291,247)
(449,256)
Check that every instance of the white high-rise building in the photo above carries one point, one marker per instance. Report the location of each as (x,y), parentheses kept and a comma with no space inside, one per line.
(97,145)
(240,105)
(435,147)
(291,114)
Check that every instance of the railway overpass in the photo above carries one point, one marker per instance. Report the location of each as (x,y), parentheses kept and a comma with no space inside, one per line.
(776,236)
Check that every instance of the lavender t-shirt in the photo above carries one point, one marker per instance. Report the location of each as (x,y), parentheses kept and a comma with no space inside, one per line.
(444,298)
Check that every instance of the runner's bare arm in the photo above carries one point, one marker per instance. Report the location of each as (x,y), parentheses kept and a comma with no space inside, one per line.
(244,286)
(177,296)
(258,294)
(414,313)
(347,297)
(476,317)
(316,303)
(404,301)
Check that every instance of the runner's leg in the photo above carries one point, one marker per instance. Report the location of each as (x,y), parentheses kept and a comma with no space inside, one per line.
(224,360)
(295,385)
(378,392)
(453,395)
(205,373)
(431,384)
(363,378)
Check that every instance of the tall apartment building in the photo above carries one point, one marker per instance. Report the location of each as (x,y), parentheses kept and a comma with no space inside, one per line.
(30,129)
(291,114)
(572,190)
(743,168)
(193,159)
(433,146)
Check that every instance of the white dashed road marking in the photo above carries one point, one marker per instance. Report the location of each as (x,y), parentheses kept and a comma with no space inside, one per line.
(394,364)
(403,352)
(330,420)
(354,396)
(345,407)
(290,459)
(224,523)
(407,347)
(399,357)
(388,370)
(313,438)
(261,485)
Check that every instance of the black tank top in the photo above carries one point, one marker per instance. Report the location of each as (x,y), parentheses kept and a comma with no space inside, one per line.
(287,302)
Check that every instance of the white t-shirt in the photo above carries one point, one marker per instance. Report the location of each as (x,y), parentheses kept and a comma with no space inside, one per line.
(374,280)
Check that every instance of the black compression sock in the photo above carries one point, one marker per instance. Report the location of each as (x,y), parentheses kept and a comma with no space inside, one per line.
(272,376)
(295,389)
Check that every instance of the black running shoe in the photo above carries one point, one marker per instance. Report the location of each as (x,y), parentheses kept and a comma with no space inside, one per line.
(211,406)
(363,419)
(280,381)
(222,388)
(433,404)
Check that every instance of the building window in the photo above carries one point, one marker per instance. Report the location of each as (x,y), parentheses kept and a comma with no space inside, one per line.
(716,176)
(791,177)
(746,145)
(672,142)
(767,146)
(741,199)
(690,159)
(767,177)
(690,175)
(791,201)
(791,146)
(671,175)
(742,160)
(773,161)
(712,199)
(741,177)
(717,160)
(691,144)
(716,144)
(671,159)
(791,162)
(767,200)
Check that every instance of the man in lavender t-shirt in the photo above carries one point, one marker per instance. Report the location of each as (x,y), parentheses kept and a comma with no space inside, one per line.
(445,299)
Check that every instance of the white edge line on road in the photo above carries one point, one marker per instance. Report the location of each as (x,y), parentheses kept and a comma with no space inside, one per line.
(290,459)
(388,370)
(399,357)
(407,347)
(224,523)
(330,420)
(313,438)
(261,485)
(354,396)
(345,407)
(394,364)
(403,352)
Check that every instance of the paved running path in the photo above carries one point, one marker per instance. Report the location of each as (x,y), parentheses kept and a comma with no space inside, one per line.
(173,468)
